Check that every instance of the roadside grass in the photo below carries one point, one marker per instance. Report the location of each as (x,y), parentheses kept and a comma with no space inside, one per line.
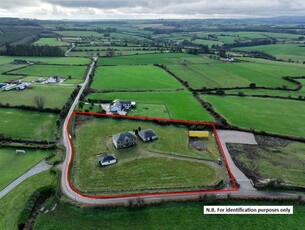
(13,203)
(55,96)
(13,165)
(50,42)
(133,77)
(256,113)
(187,215)
(237,74)
(181,105)
(273,161)
(139,167)
(27,125)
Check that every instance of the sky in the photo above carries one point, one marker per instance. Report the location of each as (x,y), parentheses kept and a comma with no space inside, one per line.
(149,9)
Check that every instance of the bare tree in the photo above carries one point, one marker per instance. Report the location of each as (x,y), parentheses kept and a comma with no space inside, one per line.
(39,101)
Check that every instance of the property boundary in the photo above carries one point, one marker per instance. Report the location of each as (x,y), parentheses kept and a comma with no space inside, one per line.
(143,118)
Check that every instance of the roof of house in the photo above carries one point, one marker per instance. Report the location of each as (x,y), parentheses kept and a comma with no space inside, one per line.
(116,102)
(120,137)
(147,133)
(105,157)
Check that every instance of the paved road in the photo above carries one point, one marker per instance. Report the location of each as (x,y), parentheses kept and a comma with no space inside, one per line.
(68,51)
(40,167)
(228,136)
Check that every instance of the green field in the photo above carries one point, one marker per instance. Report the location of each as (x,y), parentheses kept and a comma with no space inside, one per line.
(273,159)
(294,52)
(14,164)
(44,60)
(76,72)
(143,166)
(256,113)
(55,96)
(181,105)
(79,34)
(50,42)
(167,216)
(133,77)
(13,203)
(237,74)
(28,125)
(208,42)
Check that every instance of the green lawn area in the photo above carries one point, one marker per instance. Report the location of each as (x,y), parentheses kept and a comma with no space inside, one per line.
(144,59)
(80,34)
(237,74)
(208,42)
(45,60)
(271,160)
(55,96)
(256,113)
(141,166)
(280,51)
(28,125)
(13,203)
(150,110)
(181,105)
(133,77)
(76,72)
(14,164)
(167,216)
(50,42)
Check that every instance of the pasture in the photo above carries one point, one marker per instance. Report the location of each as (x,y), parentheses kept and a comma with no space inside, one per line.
(50,42)
(29,125)
(146,165)
(43,60)
(13,165)
(256,113)
(133,77)
(180,104)
(80,34)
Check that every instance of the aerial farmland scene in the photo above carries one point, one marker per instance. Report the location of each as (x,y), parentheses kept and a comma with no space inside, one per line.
(152,114)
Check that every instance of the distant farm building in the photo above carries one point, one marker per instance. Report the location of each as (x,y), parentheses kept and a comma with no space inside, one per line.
(107,160)
(227,59)
(20,151)
(117,106)
(147,135)
(199,134)
(53,80)
(124,140)
(9,87)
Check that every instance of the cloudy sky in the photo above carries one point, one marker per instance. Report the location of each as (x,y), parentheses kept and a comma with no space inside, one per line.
(131,9)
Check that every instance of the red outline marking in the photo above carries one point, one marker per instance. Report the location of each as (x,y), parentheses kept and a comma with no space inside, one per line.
(147,194)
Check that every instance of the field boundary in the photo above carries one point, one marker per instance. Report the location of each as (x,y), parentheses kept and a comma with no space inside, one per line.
(143,118)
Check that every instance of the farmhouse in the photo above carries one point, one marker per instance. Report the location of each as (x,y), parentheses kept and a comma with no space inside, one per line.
(124,140)
(107,160)
(116,106)
(199,134)
(147,135)
(54,79)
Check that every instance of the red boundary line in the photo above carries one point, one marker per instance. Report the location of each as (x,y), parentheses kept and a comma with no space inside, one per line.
(143,118)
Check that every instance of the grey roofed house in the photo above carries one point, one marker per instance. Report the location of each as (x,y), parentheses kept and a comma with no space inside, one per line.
(107,159)
(124,140)
(116,106)
(148,135)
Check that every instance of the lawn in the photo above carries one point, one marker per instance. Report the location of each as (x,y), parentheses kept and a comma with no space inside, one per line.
(167,216)
(237,74)
(272,159)
(28,125)
(55,96)
(76,72)
(150,110)
(13,203)
(256,113)
(50,42)
(146,165)
(133,77)
(181,105)
(14,164)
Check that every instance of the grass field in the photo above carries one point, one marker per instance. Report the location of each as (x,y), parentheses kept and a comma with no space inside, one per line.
(150,110)
(79,34)
(273,160)
(237,74)
(28,125)
(55,96)
(50,42)
(167,216)
(294,52)
(44,60)
(133,77)
(141,166)
(13,203)
(181,105)
(13,165)
(76,72)
(207,42)
(256,113)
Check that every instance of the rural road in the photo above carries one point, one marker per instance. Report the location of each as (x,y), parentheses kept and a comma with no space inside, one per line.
(40,167)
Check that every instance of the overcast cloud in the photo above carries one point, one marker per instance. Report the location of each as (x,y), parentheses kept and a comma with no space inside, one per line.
(104,9)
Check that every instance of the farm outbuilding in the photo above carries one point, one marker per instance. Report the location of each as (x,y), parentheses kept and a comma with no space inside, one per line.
(107,160)
(199,134)
(124,140)
(147,135)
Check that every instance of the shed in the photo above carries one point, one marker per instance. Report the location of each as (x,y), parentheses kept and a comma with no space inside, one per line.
(107,160)
(148,135)
(199,134)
